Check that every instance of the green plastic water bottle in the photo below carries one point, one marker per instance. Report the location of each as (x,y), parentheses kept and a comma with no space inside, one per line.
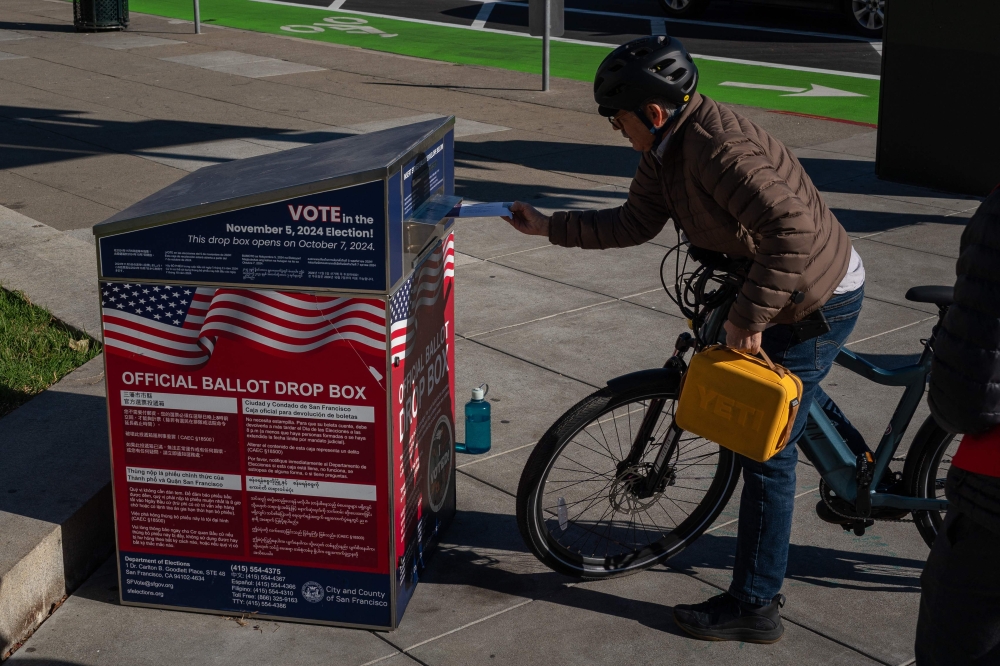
(477,423)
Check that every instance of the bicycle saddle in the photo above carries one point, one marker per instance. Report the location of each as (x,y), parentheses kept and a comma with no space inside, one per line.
(938,295)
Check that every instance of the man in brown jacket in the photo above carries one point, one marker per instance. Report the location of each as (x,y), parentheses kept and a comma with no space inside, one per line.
(731,188)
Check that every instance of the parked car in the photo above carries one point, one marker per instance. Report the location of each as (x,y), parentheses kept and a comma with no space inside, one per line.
(866,16)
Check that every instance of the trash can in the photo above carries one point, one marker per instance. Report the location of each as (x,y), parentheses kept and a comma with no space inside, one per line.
(99,15)
(279,354)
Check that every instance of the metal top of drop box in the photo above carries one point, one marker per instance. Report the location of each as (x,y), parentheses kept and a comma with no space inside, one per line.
(277,176)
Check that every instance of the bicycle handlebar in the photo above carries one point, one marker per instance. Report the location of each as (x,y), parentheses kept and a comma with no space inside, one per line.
(705,287)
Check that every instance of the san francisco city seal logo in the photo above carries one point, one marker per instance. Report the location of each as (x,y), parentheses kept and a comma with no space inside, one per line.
(312,592)
(440,458)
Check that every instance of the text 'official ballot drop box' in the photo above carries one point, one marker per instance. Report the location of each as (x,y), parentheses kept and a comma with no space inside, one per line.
(279,364)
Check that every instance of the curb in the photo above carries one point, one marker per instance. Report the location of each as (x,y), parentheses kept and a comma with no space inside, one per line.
(56,270)
(56,516)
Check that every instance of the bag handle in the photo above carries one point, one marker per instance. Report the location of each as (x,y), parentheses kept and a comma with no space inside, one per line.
(776,368)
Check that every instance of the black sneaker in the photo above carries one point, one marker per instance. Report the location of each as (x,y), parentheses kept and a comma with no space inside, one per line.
(725,618)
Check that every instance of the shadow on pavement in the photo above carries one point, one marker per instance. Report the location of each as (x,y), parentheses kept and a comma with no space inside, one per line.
(484,551)
(33,135)
(569,157)
(445,86)
(23,656)
(559,198)
(854,177)
(493,557)
(817,565)
(37,27)
(459,566)
(38,135)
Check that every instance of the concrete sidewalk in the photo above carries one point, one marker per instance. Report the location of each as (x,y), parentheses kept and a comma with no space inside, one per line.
(93,123)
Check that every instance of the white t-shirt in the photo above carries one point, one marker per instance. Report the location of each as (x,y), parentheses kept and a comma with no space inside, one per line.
(855,275)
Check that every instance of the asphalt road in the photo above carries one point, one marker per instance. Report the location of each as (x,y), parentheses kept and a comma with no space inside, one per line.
(787,36)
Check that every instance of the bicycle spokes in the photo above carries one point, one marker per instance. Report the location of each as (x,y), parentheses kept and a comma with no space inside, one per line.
(625,480)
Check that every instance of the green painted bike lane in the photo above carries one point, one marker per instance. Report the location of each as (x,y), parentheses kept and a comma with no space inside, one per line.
(828,95)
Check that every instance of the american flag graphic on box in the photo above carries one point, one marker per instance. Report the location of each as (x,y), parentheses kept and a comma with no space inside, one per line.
(179,325)
(424,287)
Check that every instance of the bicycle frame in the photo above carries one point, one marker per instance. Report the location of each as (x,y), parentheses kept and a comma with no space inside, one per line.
(826,449)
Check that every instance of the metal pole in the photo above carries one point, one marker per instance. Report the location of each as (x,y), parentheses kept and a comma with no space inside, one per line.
(197,18)
(545,44)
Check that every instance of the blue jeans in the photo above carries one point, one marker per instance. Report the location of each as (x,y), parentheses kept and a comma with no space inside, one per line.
(765,523)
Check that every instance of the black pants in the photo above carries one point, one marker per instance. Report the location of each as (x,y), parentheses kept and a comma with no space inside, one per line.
(960,606)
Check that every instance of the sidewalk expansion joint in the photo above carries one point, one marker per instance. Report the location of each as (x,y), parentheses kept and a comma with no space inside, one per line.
(736,520)
(612,298)
(909,305)
(487,483)
(60,189)
(836,640)
(530,362)
(469,336)
(797,623)
(480,459)
(898,328)
(469,624)
(870,239)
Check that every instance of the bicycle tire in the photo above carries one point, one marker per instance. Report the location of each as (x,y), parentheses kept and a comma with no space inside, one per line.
(924,475)
(692,9)
(535,527)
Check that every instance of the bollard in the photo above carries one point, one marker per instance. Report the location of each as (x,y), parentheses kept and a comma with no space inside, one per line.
(546,20)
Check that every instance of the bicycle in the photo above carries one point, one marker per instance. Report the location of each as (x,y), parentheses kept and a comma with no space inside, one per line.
(599,483)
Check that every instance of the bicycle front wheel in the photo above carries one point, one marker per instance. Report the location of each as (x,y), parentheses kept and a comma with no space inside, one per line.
(581,510)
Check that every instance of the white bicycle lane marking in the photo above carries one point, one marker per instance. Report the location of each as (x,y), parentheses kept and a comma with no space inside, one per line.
(459,26)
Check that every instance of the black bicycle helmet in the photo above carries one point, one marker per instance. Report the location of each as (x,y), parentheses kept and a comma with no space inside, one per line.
(649,67)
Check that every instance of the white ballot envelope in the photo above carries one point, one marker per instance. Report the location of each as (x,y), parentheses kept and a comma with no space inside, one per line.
(492,209)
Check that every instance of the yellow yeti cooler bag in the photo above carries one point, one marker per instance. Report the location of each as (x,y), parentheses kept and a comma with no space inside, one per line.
(744,403)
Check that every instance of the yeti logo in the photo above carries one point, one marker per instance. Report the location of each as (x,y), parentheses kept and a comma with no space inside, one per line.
(440,456)
(312,592)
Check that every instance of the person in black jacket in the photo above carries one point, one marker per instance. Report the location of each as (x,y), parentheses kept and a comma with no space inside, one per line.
(959,620)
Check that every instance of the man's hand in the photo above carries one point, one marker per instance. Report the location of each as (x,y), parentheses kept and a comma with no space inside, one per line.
(527,220)
(742,339)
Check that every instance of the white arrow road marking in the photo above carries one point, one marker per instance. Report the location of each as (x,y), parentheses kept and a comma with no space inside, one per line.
(823,91)
(761,86)
(815,91)
(484,15)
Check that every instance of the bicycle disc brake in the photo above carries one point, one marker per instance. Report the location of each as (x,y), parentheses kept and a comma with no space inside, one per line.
(628,492)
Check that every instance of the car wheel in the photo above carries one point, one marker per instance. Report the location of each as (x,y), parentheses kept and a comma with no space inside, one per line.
(867,16)
(683,8)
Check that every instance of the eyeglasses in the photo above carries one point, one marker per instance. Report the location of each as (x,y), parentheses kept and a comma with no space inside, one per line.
(615,124)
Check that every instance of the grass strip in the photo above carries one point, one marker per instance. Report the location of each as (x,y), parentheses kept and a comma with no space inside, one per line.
(854,99)
(36,350)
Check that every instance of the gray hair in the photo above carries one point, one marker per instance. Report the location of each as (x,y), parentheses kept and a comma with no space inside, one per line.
(669,107)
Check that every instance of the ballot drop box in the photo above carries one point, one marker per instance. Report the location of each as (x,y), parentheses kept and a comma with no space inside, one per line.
(280,378)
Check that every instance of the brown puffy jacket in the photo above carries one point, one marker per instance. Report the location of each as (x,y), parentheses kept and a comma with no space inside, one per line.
(732,188)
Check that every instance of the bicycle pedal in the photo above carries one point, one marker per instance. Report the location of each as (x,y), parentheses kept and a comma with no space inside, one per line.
(858,527)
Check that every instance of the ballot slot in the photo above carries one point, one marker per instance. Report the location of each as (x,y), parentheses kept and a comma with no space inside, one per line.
(426,204)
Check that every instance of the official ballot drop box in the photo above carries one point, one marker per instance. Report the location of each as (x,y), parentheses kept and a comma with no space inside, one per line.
(279,364)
